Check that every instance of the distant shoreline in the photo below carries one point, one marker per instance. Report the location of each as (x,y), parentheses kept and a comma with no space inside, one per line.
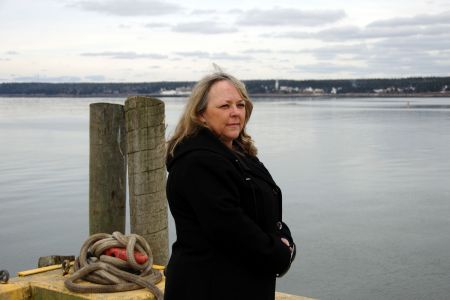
(257,95)
(337,88)
(355,95)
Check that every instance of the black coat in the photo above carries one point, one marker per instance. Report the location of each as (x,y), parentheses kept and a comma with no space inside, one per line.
(227,212)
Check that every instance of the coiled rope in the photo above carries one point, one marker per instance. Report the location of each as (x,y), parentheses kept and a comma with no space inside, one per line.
(112,274)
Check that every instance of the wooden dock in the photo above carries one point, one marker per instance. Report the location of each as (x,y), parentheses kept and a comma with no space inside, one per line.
(49,285)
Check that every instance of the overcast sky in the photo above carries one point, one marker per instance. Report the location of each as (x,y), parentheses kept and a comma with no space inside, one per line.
(140,40)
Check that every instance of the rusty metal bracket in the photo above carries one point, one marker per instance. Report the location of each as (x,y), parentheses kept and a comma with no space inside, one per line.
(4,276)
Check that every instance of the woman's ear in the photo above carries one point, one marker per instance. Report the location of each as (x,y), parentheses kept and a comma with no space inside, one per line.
(201,118)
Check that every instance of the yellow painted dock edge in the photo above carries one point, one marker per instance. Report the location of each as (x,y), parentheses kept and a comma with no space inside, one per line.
(50,286)
(283,296)
(13,291)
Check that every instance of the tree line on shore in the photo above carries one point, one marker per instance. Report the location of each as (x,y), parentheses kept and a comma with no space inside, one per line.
(412,85)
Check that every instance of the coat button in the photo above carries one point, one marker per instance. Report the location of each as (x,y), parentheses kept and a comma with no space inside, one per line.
(275,191)
(279,225)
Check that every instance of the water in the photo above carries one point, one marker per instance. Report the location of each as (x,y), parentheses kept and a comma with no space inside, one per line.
(365,182)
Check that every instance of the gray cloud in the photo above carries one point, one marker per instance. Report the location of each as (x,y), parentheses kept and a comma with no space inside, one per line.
(123,26)
(227,56)
(290,17)
(203,12)
(156,25)
(346,33)
(292,51)
(378,50)
(290,34)
(257,51)
(8,53)
(399,50)
(343,51)
(379,32)
(44,78)
(235,11)
(405,56)
(423,19)
(399,59)
(329,68)
(203,27)
(129,7)
(125,55)
(194,54)
(95,78)
(411,56)
(422,43)
(339,33)
(422,26)
(216,55)
(415,63)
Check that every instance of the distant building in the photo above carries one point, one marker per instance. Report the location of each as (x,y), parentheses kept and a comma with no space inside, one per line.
(410,89)
(318,91)
(289,89)
(179,91)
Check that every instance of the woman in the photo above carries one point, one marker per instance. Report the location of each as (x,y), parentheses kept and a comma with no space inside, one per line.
(231,242)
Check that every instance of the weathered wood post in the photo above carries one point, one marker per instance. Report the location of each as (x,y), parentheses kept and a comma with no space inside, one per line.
(147,173)
(107,168)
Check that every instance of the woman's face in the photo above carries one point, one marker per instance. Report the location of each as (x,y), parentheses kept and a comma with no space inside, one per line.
(225,112)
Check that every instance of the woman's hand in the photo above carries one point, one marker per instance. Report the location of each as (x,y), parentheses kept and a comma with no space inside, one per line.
(293,253)
(286,242)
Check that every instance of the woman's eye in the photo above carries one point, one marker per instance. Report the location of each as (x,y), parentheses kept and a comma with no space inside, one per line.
(224,106)
(241,105)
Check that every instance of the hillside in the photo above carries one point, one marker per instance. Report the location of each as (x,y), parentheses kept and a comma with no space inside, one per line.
(400,86)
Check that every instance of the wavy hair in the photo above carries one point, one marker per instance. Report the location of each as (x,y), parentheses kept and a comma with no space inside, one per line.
(189,123)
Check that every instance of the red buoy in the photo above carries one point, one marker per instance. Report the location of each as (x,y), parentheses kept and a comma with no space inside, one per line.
(122,254)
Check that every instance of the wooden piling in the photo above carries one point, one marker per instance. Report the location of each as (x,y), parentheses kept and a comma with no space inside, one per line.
(107,168)
(147,173)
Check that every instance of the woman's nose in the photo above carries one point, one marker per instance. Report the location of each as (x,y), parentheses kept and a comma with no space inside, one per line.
(234,110)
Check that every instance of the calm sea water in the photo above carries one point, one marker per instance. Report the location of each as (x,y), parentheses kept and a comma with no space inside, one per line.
(366,186)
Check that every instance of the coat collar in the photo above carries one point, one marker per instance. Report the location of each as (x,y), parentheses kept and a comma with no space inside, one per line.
(204,139)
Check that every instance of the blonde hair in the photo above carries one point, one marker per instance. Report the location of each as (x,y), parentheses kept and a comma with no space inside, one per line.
(189,123)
